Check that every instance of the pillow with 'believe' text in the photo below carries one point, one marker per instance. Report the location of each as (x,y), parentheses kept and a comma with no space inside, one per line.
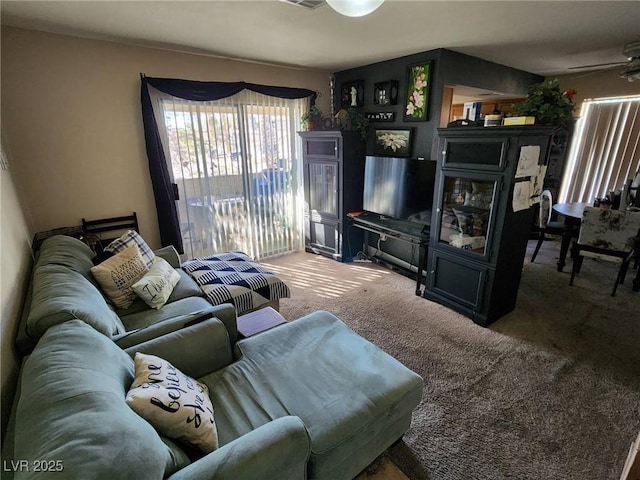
(175,404)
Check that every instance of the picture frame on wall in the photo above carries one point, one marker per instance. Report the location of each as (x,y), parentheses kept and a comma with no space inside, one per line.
(385,93)
(352,94)
(393,142)
(417,92)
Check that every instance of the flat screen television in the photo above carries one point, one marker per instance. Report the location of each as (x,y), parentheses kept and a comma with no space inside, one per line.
(399,187)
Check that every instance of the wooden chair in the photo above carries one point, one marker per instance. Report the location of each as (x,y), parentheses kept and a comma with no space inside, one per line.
(610,235)
(94,229)
(546,226)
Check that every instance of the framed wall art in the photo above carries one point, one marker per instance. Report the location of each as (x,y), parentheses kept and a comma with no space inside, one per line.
(417,92)
(352,94)
(393,142)
(385,93)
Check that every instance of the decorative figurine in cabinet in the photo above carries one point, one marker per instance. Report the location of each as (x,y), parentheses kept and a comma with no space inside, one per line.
(333,164)
(478,242)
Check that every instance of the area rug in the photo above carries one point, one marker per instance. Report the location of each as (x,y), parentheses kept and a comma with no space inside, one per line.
(551,391)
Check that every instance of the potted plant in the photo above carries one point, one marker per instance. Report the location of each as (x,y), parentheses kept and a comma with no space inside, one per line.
(357,121)
(548,104)
(313,119)
(351,119)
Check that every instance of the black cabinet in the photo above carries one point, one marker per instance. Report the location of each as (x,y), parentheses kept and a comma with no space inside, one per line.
(333,163)
(478,242)
(557,159)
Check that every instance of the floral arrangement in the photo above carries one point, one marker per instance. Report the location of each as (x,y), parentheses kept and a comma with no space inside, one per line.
(417,92)
(547,103)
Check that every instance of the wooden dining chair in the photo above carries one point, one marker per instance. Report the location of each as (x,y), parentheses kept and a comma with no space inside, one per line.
(610,235)
(546,226)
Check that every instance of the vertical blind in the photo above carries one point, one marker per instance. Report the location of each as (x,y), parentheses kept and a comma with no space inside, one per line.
(162,178)
(236,164)
(605,151)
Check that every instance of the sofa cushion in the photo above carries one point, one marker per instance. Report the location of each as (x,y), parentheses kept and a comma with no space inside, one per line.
(354,399)
(156,286)
(60,294)
(72,409)
(174,403)
(150,316)
(117,274)
(68,252)
(129,239)
(186,287)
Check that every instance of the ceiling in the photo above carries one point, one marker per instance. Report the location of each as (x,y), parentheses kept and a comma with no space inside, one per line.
(543,37)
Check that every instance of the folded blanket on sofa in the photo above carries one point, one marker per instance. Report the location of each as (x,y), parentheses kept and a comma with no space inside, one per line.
(233,277)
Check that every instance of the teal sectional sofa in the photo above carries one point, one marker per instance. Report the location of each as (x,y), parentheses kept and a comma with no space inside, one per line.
(308,399)
(62,288)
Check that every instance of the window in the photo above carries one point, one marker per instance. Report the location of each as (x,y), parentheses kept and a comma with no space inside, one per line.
(236,164)
(605,151)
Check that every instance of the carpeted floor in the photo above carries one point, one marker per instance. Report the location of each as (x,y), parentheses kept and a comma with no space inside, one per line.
(549,392)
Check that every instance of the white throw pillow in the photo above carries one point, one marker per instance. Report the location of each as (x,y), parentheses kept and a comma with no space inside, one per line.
(175,404)
(156,286)
(116,275)
(132,238)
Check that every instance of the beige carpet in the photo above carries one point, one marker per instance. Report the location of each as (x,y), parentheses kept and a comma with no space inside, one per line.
(550,391)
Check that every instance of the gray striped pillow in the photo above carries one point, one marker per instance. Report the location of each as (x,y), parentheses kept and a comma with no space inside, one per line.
(132,238)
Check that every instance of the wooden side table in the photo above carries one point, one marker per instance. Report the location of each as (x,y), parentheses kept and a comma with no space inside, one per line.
(258,321)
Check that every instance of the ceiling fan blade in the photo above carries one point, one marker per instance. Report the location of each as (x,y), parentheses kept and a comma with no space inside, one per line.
(598,65)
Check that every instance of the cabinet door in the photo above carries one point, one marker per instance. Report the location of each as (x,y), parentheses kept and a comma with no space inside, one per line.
(322,208)
(323,180)
(475,153)
(323,147)
(456,279)
(466,213)
(323,235)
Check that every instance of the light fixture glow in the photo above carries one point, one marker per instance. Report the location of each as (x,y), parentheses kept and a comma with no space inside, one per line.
(354,8)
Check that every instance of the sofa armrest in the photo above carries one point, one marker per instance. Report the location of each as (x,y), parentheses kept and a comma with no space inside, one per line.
(196,350)
(170,254)
(141,335)
(278,449)
(226,313)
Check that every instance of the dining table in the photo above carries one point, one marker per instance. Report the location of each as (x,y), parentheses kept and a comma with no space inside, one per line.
(572,212)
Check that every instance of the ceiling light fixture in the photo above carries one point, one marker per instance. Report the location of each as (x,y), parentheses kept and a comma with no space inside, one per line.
(354,8)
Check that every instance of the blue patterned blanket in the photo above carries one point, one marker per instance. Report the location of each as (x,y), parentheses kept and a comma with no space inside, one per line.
(234,278)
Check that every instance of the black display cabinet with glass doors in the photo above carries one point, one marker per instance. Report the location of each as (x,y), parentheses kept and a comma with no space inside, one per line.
(333,164)
(478,236)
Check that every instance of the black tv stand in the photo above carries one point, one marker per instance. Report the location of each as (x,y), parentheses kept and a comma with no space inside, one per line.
(405,230)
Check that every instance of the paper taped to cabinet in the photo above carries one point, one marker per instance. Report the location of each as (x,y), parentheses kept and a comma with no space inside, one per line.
(521,195)
(528,161)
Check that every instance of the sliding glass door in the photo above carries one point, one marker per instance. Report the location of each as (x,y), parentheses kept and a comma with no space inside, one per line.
(235,164)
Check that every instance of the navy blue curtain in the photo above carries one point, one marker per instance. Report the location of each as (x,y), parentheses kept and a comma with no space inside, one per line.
(164,190)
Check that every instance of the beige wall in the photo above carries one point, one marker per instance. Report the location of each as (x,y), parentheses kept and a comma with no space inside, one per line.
(71,116)
(598,84)
(15,258)
(71,112)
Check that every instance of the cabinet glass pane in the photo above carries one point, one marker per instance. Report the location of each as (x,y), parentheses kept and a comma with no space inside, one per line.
(323,188)
(323,148)
(466,212)
(474,153)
